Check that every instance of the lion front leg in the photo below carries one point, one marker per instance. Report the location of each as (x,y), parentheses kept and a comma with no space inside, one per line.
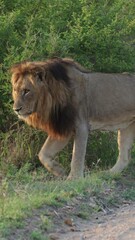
(47,153)
(125,141)
(79,151)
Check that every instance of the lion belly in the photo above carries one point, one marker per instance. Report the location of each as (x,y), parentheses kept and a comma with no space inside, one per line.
(108,126)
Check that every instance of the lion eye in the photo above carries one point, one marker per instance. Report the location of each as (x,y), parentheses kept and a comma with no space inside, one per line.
(25,92)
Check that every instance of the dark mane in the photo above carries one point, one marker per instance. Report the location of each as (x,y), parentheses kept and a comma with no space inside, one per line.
(56,66)
(68,62)
(57,69)
(62,117)
(62,120)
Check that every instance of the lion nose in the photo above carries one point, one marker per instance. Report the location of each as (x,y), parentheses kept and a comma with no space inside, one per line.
(17,109)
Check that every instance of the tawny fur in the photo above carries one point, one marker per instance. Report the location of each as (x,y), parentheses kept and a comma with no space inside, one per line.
(65,99)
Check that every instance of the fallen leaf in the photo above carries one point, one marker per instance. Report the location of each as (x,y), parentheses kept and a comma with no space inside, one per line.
(69,222)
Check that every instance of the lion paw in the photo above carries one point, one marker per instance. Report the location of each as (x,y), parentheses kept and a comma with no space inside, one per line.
(55,168)
(118,167)
(74,176)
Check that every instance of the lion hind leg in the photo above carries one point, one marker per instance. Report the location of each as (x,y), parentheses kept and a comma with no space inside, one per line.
(125,141)
(47,153)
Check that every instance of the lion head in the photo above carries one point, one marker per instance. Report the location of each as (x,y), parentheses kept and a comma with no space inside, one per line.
(43,97)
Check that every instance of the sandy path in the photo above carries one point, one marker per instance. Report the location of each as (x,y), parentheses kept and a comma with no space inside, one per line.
(119,225)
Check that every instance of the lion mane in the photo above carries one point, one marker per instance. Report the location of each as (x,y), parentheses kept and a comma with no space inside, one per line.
(55,112)
(62,98)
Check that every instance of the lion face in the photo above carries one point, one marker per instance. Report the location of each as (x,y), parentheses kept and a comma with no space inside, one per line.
(42,96)
(25,96)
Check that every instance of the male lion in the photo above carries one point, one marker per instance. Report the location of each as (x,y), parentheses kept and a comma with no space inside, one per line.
(63,99)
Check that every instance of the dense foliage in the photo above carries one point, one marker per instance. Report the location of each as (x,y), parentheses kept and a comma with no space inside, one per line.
(98,34)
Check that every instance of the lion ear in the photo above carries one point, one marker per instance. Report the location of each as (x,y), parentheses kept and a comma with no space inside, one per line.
(40,76)
(39,73)
(43,75)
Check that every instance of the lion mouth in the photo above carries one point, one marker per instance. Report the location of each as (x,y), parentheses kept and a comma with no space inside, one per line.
(24,115)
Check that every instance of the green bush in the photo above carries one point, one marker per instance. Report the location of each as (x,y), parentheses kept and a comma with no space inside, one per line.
(103,35)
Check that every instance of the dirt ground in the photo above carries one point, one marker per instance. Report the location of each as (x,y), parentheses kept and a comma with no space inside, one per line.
(117,223)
